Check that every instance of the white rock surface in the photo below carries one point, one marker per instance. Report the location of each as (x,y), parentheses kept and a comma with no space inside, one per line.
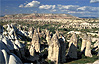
(14,59)
(96,62)
(6,56)
(18,43)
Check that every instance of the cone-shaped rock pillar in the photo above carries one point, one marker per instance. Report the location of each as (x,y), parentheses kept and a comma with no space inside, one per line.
(84,41)
(88,47)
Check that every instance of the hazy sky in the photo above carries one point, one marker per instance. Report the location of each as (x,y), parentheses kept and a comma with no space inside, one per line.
(79,8)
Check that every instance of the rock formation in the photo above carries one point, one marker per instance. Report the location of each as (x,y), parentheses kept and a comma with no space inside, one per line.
(43,34)
(36,41)
(53,51)
(18,44)
(20,27)
(50,51)
(6,53)
(21,49)
(13,59)
(13,51)
(32,50)
(62,49)
(96,62)
(72,53)
(48,37)
(6,56)
(56,48)
(57,33)
(8,43)
(11,33)
(84,41)
(73,40)
(88,47)
(31,31)
(8,28)
(51,45)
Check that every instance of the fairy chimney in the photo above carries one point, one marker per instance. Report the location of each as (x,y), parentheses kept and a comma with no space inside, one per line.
(55,49)
(32,50)
(48,37)
(12,31)
(72,53)
(36,41)
(8,28)
(50,51)
(88,47)
(62,49)
(73,40)
(84,41)
(31,30)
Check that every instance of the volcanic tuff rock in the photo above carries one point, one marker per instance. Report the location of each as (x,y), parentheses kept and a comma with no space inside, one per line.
(88,47)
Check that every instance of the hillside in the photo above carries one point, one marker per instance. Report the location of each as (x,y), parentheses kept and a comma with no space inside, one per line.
(38,15)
